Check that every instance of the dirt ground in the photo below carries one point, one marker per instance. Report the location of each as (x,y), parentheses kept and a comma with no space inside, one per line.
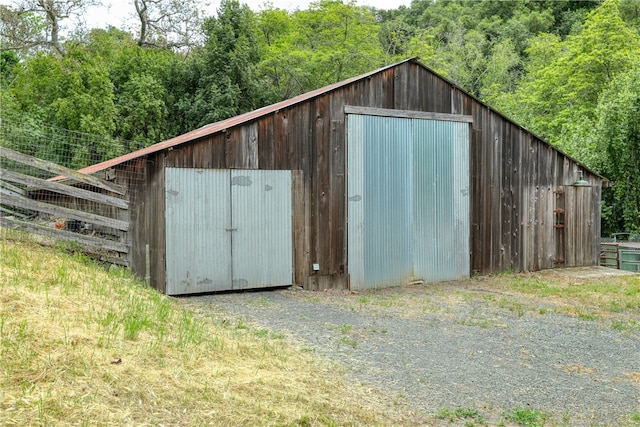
(474,344)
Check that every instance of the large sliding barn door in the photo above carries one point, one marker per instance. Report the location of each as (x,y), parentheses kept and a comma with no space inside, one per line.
(227,229)
(408,200)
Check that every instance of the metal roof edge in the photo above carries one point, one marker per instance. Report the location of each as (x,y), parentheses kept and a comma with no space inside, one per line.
(212,128)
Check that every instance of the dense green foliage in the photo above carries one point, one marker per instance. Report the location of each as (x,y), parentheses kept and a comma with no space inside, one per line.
(567,70)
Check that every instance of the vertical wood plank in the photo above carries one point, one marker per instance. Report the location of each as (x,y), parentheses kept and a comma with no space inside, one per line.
(338,186)
(266,142)
(323,195)
(525,197)
(516,209)
(476,204)
(242,143)
(497,249)
(156,225)
(506,194)
(486,191)
(570,221)
(300,252)
(280,144)
(400,88)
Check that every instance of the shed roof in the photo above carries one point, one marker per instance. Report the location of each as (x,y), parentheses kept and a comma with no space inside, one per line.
(255,114)
(228,123)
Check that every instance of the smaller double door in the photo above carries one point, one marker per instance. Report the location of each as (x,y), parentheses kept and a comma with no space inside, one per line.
(227,229)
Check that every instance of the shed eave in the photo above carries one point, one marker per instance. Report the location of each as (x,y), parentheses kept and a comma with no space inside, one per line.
(212,128)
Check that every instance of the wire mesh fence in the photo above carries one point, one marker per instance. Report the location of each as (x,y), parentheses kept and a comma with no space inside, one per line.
(43,189)
(64,147)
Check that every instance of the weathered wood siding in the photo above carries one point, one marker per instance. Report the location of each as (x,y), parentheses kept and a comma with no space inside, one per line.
(514,179)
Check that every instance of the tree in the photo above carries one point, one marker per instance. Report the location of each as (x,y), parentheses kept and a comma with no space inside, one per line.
(394,35)
(168,23)
(465,58)
(565,78)
(459,39)
(143,111)
(328,42)
(8,63)
(141,85)
(274,34)
(219,80)
(72,92)
(38,24)
(503,71)
(581,94)
(630,13)
(617,135)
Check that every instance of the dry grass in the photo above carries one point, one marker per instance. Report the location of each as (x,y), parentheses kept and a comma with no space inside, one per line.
(83,346)
(588,293)
(79,345)
(591,294)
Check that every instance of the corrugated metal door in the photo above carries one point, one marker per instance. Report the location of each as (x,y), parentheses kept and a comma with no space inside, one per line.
(441,200)
(408,200)
(197,241)
(384,172)
(262,239)
(227,229)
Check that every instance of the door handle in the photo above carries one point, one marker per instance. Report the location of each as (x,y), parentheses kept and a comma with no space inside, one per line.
(231,229)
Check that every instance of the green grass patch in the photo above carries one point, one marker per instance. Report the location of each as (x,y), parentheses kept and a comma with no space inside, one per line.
(349,341)
(345,329)
(526,417)
(471,416)
(380,299)
(629,325)
(260,302)
(607,300)
(634,417)
(477,322)
(513,305)
(615,294)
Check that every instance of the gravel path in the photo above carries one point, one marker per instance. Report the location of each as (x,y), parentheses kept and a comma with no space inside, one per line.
(458,352)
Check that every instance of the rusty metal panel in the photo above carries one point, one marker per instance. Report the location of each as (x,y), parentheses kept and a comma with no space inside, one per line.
(262,233)
(197,241)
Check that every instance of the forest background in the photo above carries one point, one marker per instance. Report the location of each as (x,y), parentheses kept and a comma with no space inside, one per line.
(569,71)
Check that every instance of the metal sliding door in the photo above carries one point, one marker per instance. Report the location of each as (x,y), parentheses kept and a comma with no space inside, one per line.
(441,200)
(408,200)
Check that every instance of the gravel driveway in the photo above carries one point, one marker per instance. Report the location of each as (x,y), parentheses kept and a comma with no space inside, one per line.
(437,347)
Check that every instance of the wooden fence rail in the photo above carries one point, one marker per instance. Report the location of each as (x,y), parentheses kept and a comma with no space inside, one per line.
(15,201)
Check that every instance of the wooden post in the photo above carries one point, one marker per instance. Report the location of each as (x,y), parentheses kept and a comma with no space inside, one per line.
(147,277)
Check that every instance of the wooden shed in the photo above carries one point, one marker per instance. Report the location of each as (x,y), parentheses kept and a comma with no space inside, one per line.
(394,176)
